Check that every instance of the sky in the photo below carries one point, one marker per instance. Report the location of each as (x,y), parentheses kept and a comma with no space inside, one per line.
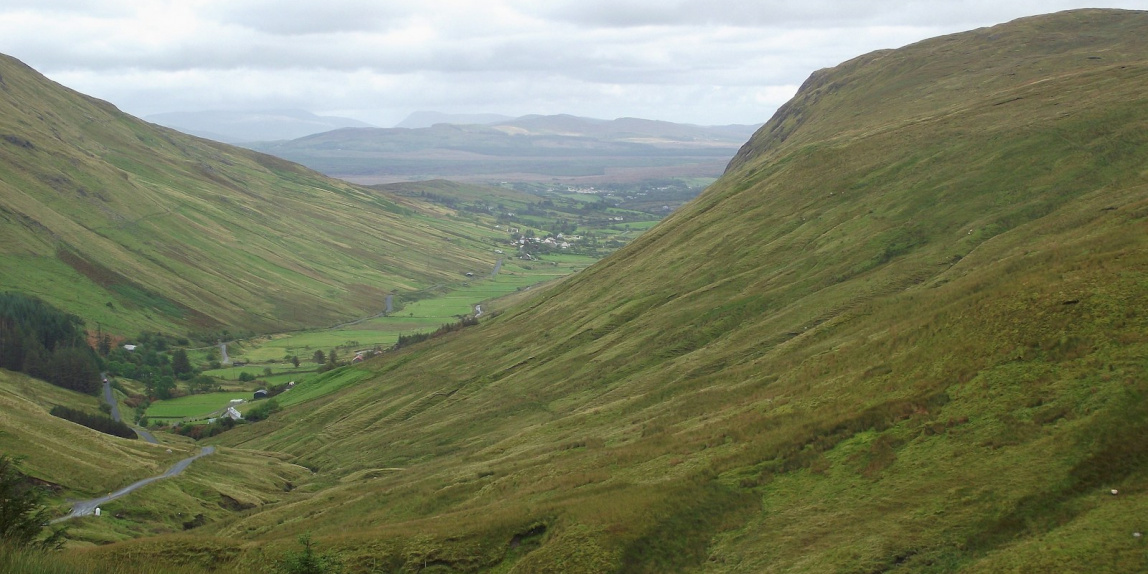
(707,62)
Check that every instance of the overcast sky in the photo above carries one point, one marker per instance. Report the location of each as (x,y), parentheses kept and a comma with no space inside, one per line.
(696,61)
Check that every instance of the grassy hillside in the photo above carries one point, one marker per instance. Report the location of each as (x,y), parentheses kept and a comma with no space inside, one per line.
(82,463)
(85,462)
(136,226)
(905,332)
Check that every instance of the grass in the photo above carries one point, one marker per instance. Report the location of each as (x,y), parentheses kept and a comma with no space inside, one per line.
(814,367)
(327,383)
(904,333)
(443,306)
(83,462)
(143,228)
(193,406)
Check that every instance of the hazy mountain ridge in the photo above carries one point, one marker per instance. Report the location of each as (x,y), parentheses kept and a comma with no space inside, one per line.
(426,119)
(560,146)
(236,127)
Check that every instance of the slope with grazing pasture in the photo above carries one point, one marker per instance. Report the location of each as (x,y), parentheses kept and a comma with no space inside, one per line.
(135,226)
(905,332)
(78,463)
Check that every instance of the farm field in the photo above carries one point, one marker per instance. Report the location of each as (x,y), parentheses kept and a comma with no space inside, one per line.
(280,372)
(419,316)
(318,386)
(193,406)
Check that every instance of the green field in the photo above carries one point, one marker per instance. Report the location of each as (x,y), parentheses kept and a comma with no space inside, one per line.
(320,385)
(193,406)
(418,316)
(279,372)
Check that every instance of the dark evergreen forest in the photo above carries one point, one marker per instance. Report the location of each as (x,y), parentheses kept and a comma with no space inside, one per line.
(44,342)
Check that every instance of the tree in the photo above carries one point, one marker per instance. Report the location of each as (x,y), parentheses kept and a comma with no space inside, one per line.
(319,357)
(180,364)
(22,516)
(295,361)
(74,368)
(308,561)
(332,359)
(161,387)
(201,384)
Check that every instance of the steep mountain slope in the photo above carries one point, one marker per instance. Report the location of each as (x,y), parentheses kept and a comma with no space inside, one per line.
(135,226)
(905,332)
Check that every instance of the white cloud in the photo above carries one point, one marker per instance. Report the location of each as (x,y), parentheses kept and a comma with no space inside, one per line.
(699,61)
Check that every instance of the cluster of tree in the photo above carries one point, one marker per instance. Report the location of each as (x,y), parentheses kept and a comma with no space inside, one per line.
(155,363)
(408,340)
(273,390)
(46,343)
(328,361)
(262,411)
(22,512)
(562,226)
(221,425)
(439,199)
(106,425)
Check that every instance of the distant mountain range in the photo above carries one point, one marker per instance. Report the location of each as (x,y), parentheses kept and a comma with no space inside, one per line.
(427,119)
(532,147)
(254,125)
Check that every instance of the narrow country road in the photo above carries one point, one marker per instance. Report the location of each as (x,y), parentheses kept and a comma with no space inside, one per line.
(111,400)
(477,311)
(86,507)
(223,351)
(147,436)
(497,268)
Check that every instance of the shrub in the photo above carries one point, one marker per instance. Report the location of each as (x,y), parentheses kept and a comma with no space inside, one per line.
(95,422)
(22,516)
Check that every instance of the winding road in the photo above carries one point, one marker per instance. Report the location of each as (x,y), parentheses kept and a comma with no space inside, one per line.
(86,507)
(111,400)
(223,351)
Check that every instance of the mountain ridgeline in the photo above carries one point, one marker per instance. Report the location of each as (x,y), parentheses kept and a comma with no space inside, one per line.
(530,148)
(137,227)
(250,126)
(904,332)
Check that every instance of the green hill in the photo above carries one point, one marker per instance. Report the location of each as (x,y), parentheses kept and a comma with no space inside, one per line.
(135,226)
(905,332)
